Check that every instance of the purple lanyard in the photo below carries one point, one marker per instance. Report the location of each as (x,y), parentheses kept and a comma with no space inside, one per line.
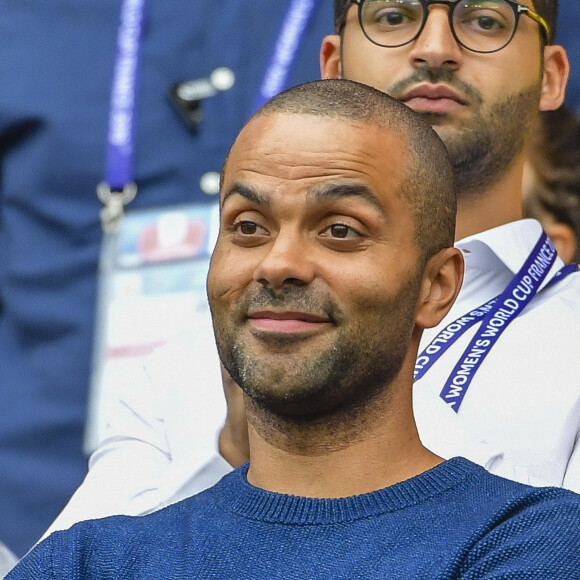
(118,187)
(293,28)
(495,315)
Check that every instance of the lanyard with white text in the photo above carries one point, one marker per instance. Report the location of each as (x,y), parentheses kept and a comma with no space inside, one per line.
(497,313)
(287,43)
(118,187)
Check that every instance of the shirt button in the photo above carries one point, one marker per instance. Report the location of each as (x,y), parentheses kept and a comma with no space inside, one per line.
(222,78)
(210,183)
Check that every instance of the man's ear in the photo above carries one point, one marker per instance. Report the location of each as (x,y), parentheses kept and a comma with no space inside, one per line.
(330,65)
(564,239)
(442,281)
(556,72)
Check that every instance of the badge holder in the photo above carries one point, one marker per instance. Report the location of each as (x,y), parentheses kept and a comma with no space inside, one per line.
(152,275)
(154,262)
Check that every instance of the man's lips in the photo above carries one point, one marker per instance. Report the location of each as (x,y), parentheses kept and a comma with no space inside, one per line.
(433,98)
(287,321)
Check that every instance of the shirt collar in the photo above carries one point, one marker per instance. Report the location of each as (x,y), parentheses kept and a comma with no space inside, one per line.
(506,246)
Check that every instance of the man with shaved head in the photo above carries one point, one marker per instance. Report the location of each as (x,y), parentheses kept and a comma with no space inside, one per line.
(334,253)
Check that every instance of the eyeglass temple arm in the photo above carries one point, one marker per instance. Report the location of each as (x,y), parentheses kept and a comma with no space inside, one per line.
(537,18)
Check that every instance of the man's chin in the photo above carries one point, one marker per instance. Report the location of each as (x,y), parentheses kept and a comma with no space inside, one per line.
(441,121)
(451,135)
(295,402)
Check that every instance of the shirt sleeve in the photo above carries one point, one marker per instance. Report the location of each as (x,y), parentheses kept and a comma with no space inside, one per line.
(127,467)
(159,444)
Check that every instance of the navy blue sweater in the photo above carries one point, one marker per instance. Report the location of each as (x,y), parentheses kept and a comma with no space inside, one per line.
(454,521)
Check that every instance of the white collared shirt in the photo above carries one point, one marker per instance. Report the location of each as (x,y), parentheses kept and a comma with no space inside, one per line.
(525,398)
(161,436)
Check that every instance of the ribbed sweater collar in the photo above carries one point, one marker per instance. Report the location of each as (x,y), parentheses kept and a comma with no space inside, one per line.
(239,497)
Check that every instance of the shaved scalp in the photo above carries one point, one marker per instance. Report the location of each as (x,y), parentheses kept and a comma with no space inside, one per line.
(428,186)
(548,9)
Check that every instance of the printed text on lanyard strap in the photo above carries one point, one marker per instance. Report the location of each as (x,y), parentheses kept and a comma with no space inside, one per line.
(495,315)
(287,43)
(118,187)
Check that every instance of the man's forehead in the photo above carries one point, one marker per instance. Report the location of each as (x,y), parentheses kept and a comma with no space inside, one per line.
(372,177)
(296,145)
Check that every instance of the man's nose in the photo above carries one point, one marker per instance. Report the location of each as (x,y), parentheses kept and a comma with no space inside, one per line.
(436,46)
(287,261)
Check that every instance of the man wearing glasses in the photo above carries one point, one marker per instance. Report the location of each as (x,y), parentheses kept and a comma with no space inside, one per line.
(478,71)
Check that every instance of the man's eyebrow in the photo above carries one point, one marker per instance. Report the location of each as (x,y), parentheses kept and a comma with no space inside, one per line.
(317,194)
(249,193)
(330,191)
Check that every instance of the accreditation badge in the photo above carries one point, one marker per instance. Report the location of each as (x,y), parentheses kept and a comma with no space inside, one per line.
(152,279)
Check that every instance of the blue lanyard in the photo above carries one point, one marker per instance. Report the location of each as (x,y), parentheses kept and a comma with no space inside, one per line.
(495,315)
(293,28)
(118,188)
(120,141)
(119,161)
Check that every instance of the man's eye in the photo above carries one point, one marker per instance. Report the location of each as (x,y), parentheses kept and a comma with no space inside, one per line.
(487,23)
(341,232)
(482,21)
(391,18)
(248,228)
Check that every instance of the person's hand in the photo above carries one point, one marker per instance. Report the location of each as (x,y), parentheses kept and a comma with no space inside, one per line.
(233,438)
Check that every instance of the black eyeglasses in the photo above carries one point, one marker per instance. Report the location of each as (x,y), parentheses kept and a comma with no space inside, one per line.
(478,25)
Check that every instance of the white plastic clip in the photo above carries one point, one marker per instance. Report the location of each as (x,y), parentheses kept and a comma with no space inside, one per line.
(114,202)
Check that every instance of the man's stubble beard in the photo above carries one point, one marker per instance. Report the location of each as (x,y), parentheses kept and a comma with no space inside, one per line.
(341,380)
(484,149)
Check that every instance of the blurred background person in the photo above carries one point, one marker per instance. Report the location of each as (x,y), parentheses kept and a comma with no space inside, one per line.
(475,89)
(58,62)
(551,192)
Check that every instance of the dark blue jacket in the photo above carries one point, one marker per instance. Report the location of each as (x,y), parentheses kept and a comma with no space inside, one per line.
(56,68)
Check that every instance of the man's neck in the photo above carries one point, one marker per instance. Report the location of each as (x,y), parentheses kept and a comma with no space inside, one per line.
(500,203)
(323,462)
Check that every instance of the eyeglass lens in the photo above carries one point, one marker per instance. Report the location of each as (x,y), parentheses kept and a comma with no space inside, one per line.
(481,25)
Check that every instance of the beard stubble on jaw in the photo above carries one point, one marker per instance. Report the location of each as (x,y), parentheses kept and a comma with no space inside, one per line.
(485,146)
(342,379)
